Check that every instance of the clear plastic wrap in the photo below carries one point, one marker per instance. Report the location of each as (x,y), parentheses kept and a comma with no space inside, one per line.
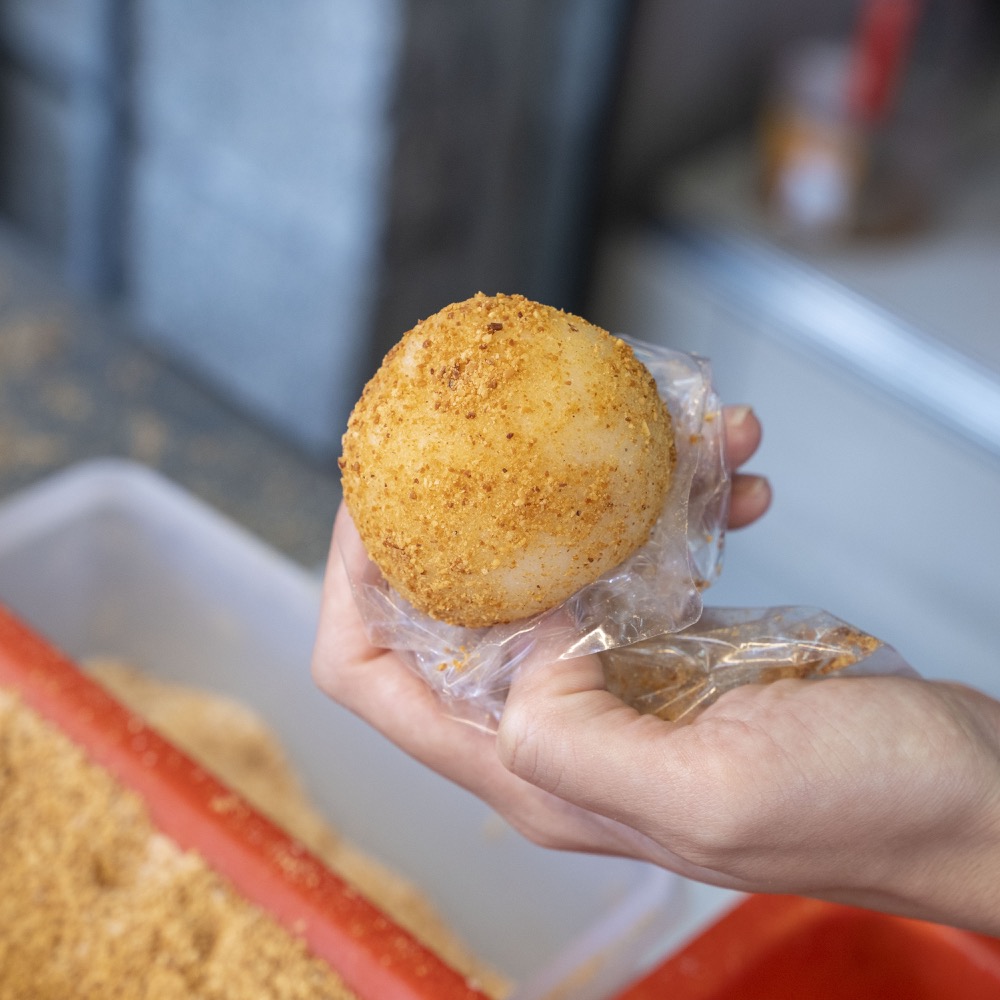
(657,590)
(662,652)
(675,676)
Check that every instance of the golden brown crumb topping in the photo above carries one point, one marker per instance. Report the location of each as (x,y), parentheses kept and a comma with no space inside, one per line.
(504,455)
(95,903)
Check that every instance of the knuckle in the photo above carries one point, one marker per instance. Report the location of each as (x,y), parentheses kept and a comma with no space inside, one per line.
(518,743)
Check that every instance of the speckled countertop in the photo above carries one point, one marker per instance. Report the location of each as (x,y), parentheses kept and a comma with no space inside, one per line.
(74,384)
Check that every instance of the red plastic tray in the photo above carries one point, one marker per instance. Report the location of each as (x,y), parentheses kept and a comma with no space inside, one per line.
(780,947)
(376,958)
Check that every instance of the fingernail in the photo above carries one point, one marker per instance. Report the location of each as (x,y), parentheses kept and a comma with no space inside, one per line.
(739,414)
(752,487)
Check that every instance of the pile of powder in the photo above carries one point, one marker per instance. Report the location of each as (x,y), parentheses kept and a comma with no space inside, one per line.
(230,740)
(95,903)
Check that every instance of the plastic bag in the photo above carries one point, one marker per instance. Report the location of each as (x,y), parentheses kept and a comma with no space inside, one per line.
(675,676)
(657,590)
(662,651)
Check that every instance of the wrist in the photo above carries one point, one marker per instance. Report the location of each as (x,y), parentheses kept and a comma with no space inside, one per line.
(951,873)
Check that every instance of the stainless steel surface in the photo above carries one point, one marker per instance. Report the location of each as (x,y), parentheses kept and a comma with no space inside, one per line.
(810,308)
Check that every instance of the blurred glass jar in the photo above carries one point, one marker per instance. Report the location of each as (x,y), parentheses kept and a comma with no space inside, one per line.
(812,149)
(859,136)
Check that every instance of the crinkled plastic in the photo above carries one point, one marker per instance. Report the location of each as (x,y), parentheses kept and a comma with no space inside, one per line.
(662,651)
(657,590)
(675,676)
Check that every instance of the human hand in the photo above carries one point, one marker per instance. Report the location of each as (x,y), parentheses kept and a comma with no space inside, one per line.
(379,687)
(881,792)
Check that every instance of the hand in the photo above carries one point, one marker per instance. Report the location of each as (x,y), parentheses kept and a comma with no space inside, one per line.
(376,685)
(882,792)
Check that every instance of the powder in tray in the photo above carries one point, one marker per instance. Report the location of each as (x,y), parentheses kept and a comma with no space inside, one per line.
(226,737)
(96,903)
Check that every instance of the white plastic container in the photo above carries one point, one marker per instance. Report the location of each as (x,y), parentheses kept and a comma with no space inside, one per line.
(109,559)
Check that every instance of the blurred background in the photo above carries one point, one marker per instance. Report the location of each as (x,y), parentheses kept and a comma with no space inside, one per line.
(216,216)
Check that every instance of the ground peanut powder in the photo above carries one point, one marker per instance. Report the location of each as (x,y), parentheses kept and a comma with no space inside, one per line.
(230,740)
(96,903)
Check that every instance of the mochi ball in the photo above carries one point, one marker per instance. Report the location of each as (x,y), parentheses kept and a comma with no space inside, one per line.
(505,455)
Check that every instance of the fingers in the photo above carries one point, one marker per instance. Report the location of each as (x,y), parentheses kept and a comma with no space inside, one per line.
(562,731)
(743,434)
(749,499)
(374,683)
(750,495)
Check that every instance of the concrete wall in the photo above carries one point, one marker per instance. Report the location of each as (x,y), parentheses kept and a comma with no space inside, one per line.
(221,167)
(53,52)
(277,191)
(261,143)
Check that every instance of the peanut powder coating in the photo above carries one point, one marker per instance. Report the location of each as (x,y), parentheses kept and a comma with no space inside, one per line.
(505,455)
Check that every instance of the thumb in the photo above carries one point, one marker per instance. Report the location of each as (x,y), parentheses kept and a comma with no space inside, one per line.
(562,731)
